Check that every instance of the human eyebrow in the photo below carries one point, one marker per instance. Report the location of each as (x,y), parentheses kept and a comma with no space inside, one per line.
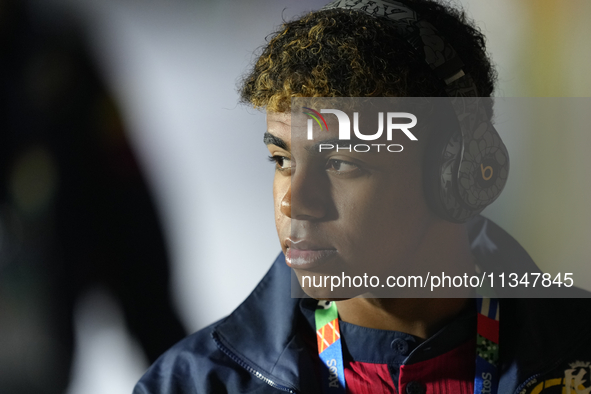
(270,139)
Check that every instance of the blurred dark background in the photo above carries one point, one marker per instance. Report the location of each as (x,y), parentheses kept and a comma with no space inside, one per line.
(75,211)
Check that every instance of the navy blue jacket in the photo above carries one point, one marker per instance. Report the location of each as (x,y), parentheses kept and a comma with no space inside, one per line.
(263,346)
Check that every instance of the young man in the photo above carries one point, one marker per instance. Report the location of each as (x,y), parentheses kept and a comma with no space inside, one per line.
(378,213)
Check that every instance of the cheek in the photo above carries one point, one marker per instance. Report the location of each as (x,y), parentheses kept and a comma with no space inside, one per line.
(388,221)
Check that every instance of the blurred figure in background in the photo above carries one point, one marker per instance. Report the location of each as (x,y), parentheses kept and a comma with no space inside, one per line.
(75,211)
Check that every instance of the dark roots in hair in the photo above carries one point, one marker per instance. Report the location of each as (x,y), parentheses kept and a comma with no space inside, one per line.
(341,53)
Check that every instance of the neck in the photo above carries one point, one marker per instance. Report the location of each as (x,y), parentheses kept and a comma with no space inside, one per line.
(421,317)
(448,250)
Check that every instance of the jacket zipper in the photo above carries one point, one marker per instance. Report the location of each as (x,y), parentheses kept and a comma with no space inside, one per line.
(251,370)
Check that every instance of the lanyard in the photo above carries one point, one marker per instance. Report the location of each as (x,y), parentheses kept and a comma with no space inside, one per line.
(330,349)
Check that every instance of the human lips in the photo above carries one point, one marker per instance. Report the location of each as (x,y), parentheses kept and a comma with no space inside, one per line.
(303,254)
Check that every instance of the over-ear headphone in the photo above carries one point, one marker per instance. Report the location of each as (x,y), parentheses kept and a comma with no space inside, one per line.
(466,167)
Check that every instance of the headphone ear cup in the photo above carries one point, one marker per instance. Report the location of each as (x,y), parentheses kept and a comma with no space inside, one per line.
(441,162)
(464,172)
(483,169)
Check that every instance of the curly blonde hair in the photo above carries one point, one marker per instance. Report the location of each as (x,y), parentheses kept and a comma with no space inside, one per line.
(343,53)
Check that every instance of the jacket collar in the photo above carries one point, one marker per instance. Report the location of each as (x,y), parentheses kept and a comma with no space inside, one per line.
(263,330)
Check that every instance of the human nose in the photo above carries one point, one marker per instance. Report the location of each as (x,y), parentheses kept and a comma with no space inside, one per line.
(304,198)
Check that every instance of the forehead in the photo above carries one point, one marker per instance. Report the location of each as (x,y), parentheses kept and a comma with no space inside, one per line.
(284,122)
(286,127)
(279,121)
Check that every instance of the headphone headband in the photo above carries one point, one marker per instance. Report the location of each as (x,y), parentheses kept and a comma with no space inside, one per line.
(422,36)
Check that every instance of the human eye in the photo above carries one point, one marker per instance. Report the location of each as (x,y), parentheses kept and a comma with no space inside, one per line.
(341,167)
(282,163)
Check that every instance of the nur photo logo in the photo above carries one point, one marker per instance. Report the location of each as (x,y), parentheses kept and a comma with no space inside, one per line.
(390,119)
